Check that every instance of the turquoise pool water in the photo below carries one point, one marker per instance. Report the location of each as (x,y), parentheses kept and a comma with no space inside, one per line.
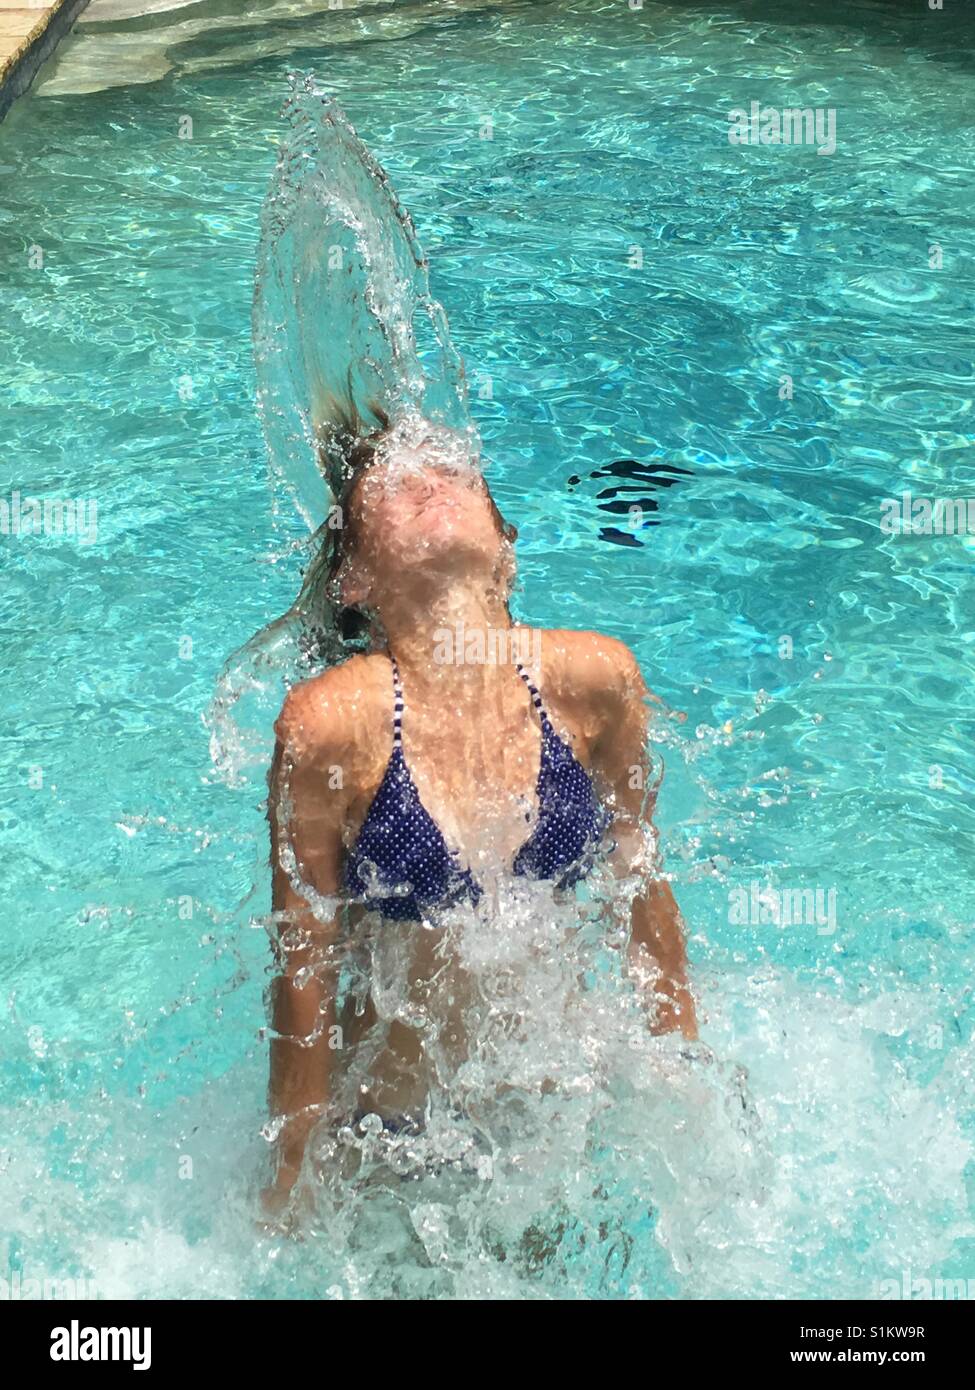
(133,1069)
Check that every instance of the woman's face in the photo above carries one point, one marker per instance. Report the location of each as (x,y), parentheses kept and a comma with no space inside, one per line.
(411,516)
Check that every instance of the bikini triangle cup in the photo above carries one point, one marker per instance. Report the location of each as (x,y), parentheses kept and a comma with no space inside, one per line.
(401,866)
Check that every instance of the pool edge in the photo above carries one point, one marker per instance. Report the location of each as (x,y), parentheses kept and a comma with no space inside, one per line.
(19,67)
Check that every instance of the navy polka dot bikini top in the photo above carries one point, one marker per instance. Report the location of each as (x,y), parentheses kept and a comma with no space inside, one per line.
(401,865)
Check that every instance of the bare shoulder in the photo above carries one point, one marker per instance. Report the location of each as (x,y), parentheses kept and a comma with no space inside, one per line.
(599,689)
(333,714)
(591,666)
(595,684)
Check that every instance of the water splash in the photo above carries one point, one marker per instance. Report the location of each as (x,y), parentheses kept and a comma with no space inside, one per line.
(346,331)
(859,1051)
(347,338)
(535,1165)
(564,1150)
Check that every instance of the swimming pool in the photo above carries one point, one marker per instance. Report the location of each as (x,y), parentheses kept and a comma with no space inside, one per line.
(623,283)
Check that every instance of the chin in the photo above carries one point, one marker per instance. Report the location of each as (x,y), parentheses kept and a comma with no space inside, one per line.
(444,552)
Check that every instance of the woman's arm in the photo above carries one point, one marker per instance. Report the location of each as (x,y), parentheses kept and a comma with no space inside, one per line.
(656,954)
(305,811)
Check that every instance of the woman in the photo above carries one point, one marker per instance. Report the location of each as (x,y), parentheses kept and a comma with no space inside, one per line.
(461,752)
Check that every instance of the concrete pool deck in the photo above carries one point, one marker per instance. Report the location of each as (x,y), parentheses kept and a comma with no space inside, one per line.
(29,34)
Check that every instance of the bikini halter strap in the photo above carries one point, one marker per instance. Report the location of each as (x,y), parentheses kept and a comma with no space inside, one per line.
(397,705)
(536,698)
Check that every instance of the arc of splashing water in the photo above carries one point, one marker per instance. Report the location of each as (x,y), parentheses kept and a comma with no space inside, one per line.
(343,320)
(343,316)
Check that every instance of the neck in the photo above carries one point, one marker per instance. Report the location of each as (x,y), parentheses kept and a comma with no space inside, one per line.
(456,638)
